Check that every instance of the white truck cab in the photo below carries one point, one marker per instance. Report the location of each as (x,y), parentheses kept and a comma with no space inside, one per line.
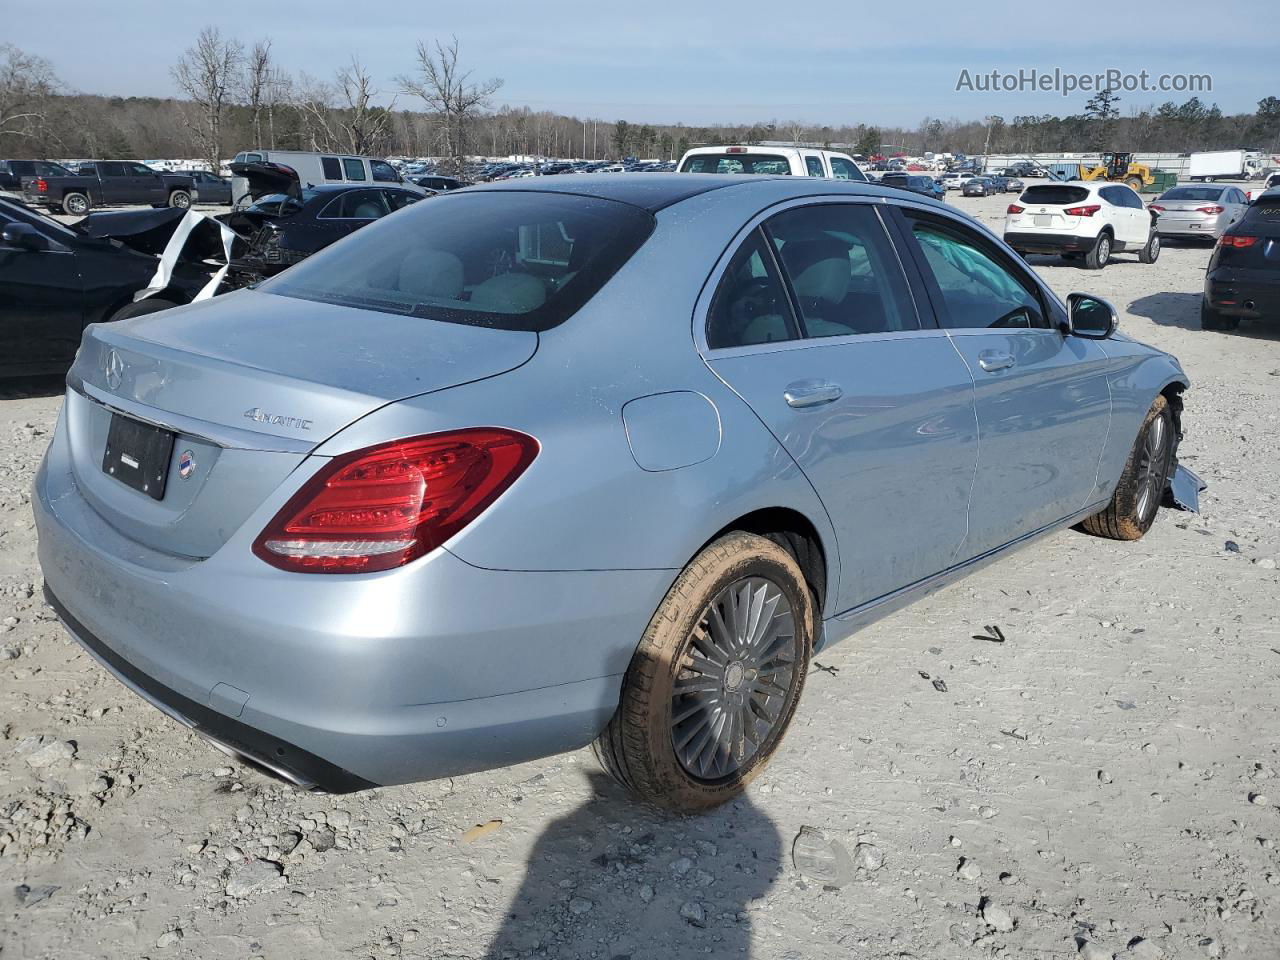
(772,161)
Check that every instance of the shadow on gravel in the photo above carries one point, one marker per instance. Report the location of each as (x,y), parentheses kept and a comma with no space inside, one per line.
(23,388)
(1183,310)
(614,879)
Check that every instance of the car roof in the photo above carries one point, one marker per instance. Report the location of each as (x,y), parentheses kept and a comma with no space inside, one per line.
(655,191)
(339,187)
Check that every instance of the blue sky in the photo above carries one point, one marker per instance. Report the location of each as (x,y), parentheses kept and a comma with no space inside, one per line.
(661,61)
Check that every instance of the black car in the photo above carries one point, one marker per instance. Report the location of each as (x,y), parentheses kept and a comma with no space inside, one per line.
(211,188)
(56,279)
(13,172)
(916,184)
(430,181)
(281,229)
(1243,279)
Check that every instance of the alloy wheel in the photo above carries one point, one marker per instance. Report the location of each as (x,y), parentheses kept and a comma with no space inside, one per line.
(1151,467)
(736,675)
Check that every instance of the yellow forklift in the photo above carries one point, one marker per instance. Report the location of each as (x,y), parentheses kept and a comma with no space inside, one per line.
(1120,168)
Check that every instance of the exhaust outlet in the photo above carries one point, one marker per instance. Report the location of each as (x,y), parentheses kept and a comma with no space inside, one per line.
(1249,305)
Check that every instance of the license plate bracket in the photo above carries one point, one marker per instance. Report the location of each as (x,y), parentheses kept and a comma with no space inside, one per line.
(1042,221)
(137,454)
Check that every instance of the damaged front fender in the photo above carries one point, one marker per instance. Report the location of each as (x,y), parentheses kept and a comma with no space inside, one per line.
(1183,490)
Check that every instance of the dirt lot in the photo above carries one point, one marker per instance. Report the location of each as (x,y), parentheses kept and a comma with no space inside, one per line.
(1107,776)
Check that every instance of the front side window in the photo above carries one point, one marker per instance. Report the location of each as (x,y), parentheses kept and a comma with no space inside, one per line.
(751,305)
(383,172)
(760,163)
(140,170)
(842,169)
(843,271)
(396,199)
(515,261)
(978,291)
(813,166)
(354,169)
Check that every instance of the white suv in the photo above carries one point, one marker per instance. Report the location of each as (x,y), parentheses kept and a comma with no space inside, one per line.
(1079,219)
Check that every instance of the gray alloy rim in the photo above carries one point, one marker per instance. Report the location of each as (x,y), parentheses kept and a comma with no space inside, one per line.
(77,205)
(181,200)
(735,677)
(1155,246)
(1151,465)
(1104,250)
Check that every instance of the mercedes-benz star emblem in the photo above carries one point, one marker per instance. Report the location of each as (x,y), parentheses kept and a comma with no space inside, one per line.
(113,365)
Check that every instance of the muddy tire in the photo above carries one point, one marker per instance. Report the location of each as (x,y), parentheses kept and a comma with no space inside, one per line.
(180,199)
(1150,251)
(76,204)
(141,308)
(1137,496)
(715,681)
(1211,319)
(1099,253)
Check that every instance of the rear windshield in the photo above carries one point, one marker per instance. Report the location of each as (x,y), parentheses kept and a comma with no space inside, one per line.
(1192,193)
(1265,209)
(510,259)
(1051,194)
(737,163)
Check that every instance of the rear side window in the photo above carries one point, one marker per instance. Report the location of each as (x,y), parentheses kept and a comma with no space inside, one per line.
(1054,195)
(113,170)
(761,163)
(978,291)
(506,259)
(356,205)
(751,305)
(813,166)
(330,167)
(354,169)
(843,272)
(842,169)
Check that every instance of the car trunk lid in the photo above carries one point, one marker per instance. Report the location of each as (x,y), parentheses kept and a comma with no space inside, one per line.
(246,401)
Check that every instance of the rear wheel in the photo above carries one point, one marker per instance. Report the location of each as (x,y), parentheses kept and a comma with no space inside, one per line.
(1100,253)
(180,199)
(75,204)
(1135,182)
(715,681)
(1211,319)
(1150,252)
(1137,496)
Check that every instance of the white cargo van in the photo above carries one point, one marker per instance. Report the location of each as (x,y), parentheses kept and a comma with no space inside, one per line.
(771,161)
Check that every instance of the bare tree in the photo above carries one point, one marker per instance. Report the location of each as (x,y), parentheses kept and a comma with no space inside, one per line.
(314,102)
(255,86)
(206,73)
(449,92)
(363,125)
(27,83)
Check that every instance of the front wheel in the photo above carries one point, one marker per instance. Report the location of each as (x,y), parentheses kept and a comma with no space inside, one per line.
(1137,496)
(1135,183)
(716,678)
(1099,254)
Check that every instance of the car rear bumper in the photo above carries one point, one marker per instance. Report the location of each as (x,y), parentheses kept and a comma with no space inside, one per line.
(1049,242)
(1234,293)
(1208,227)
(342,682)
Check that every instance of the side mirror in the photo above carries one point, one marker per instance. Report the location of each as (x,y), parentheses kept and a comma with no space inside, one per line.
(24,237)
(1090,317)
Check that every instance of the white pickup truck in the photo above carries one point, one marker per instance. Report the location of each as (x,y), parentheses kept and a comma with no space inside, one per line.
(772,161)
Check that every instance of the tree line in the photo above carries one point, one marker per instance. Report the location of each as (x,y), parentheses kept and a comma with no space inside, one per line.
(237,97)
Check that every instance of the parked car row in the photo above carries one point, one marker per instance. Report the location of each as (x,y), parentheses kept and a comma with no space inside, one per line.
(104,183)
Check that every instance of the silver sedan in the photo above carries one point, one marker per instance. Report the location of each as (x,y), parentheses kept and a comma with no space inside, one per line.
(1198,211)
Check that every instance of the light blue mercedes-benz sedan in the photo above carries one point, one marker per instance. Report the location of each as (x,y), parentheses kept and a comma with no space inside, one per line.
(604,459)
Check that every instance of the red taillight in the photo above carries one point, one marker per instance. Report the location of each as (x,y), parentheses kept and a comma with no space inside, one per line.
(383,506)
(735,149)
(42,186)
(1210,210)
(1088,211)
(1229,241)
(1014,208)
(1156,207)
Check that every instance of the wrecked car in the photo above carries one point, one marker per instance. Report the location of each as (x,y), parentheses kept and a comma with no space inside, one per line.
(57,279)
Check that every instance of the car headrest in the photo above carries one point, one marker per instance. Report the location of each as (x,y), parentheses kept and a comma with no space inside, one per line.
(367,210)
(819,268)
(509,293)
(431,273)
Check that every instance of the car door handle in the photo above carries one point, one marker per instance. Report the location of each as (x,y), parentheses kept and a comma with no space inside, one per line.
(991,361)
(811,393)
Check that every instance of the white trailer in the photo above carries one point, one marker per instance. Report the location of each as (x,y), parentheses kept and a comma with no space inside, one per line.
(1219,164)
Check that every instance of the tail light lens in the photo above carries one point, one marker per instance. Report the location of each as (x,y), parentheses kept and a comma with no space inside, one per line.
(1088,211)
(1014,208)
(42,186)
(1240,242)
(1155,207)
(381,507)
(1210,210)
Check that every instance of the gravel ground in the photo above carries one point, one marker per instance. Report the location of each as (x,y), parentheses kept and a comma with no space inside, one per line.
(1102,782)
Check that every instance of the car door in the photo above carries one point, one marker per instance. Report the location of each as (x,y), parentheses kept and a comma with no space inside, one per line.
(116,182)
(1121,216)
(1043,402)
(41,300)
(145,185)
(813,324)
(351,210)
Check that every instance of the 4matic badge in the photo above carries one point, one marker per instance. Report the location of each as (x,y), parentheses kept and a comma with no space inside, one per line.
(258,415)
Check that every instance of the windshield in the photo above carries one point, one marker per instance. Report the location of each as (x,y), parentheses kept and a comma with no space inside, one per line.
(1193,193)
(761,163)
(12,211)
(510,259)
